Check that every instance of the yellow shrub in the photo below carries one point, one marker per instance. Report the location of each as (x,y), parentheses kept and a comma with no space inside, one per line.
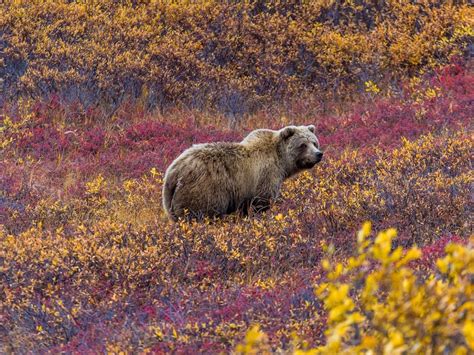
(256,342)
(376,303)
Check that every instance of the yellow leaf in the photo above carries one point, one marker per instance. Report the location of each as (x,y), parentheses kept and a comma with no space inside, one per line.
(396,339)
(443,265)
(364,232)
(368,342)
(279,217)
(468,331)
(254,335)
(356,317)
(412,254)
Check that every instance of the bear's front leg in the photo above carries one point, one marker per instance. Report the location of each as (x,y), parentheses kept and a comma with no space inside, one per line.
(256,204)
(260,204)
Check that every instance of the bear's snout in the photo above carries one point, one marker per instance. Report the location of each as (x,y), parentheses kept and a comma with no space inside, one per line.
(319,156)
(310,159)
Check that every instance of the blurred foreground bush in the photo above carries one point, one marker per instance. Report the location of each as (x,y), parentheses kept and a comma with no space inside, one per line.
(377,303)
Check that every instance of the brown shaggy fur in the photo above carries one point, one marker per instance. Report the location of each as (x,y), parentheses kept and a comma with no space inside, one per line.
(215,179)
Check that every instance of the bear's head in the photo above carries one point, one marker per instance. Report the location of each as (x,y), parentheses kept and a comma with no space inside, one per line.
(299,148)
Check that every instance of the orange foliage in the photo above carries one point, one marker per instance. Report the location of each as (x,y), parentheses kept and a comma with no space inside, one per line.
(230,56)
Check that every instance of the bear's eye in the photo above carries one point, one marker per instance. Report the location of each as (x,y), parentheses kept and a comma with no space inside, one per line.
(302,145)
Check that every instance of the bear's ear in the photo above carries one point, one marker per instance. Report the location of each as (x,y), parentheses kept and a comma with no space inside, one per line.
(312,128)
(287,132)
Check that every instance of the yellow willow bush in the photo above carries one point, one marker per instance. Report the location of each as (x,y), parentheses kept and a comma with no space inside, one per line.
(232,56)
(376,303)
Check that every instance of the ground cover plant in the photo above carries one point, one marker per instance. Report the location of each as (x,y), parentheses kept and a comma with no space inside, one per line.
(230,56)
(90,263)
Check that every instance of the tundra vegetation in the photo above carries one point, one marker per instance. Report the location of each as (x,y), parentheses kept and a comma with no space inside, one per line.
(97,98)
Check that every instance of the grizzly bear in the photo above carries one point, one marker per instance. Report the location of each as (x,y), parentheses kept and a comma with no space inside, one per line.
(214,179)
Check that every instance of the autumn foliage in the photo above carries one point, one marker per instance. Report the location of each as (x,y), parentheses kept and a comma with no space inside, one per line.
(229,56)
(377,303)
(100,97)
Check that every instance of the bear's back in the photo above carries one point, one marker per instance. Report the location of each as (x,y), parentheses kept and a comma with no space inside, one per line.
(224,151)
